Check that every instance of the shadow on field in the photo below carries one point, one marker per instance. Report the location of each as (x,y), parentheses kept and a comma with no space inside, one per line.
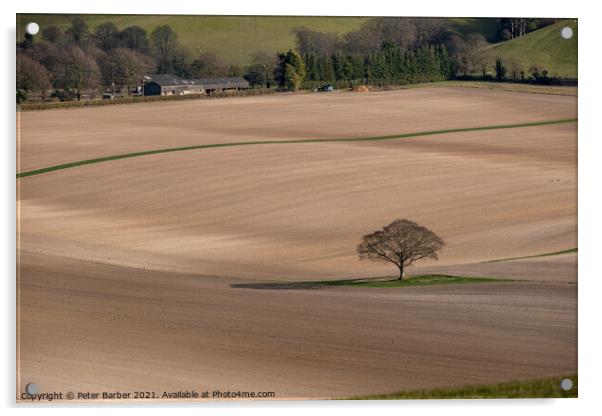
(306,284)
(382,282)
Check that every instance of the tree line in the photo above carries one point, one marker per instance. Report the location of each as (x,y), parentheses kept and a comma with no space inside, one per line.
(391,65)
(68,63)
(411,50)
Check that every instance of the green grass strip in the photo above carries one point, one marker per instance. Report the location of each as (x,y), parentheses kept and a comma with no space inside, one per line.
(383,282)
(422,280)
(207,146)
(555,253)
(536,388)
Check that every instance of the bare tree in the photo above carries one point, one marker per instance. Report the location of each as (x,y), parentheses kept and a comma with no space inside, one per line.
(361,41)
(45,53)
(518,27)
(311,41)
(52,34)
(477,53)
(165,41)
(515,68)
(265,61)
(209,65)
(400,32)
(458,50)
(431,30)
(127,67)
(78,30)
(31,77)
(135,38)
(178,63)
(76,71)
(470,55)
(106,36)
(402,243)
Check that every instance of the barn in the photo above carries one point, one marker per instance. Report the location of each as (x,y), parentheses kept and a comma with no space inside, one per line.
(167,84)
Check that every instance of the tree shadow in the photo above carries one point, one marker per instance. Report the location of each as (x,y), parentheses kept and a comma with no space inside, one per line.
(307,285)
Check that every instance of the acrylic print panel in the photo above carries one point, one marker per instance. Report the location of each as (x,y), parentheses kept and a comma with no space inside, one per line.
(260,208)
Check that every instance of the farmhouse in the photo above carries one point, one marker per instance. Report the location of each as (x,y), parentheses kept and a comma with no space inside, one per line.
(167,84)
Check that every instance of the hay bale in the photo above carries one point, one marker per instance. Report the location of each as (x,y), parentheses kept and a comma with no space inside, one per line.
(361,88)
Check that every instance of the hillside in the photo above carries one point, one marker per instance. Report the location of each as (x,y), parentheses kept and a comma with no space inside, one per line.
(487,26)
(234,38)
(545,47)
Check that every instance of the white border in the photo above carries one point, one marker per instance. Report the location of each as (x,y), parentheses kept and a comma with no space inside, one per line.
(590,161)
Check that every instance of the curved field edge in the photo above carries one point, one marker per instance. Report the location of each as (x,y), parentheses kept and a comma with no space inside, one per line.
(263,142)
(523,389)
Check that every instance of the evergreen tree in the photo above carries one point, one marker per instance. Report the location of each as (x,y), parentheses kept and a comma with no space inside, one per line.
(500,69)
(290,71)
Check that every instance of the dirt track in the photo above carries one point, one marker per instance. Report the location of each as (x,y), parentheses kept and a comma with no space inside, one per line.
(201,221)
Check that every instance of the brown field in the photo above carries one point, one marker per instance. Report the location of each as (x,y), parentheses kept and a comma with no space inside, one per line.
(132,272)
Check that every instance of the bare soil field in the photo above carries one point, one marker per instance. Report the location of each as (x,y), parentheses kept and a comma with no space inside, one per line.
(130,270)
(94,327)
(58,136)
(558,269)
(298,211)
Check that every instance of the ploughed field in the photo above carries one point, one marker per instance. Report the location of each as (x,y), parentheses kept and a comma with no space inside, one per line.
(134,273)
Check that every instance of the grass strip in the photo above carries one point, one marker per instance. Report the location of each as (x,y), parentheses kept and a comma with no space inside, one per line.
(382,282)
(535,388)
(422,280)
(207,146)
(555,253)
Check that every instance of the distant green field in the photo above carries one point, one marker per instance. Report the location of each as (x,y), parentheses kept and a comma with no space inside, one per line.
(545,47)
(467,25)
(537,388)
(234,38)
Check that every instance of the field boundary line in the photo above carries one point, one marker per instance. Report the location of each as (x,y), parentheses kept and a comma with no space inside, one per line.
(264,142)
(533,256)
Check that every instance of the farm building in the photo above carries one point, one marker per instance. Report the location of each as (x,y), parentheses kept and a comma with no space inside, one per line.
(166,84)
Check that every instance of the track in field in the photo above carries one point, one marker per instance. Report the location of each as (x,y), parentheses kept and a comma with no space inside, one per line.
(205,146)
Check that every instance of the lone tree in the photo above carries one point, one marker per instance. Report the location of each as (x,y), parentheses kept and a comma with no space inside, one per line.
(402,242)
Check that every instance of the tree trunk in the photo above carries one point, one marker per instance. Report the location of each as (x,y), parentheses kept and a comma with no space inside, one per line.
(402,273)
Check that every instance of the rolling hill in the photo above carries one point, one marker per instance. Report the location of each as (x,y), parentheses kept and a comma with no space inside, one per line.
(234,38)
(544,47)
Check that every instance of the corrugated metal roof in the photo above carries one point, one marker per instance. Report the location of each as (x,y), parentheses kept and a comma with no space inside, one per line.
(166,79)
(206,83)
